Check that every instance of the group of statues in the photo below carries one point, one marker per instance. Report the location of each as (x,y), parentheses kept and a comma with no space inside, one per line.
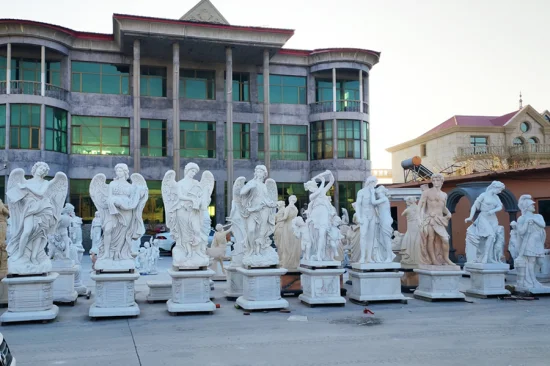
(147,258)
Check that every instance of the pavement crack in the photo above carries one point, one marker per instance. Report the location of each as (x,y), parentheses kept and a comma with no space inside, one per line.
(134,341)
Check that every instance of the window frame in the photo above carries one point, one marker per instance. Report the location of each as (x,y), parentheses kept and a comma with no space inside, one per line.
(33,128)
(243,87)
(212,132)
(542,212)
(145,79)
(122,76)
(282,154)
(145,149)
(101,126)
(272,84)
(356,153)
(210,83)
(324,140)
(243,152)
(63,133)
(3,122)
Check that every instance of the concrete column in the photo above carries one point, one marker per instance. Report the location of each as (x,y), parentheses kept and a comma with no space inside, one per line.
(366,92)
(361,98)
(176,107)
(42,127)
(8,119)
(8,70)
(42,71)
(137,107)
(334,90)
(335,138)
(229,121)
(267,147)
(69,132)
(66,73)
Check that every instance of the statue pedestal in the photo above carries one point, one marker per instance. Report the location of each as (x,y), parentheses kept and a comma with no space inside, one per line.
(438,283)
(321,285)
(219,275)
(262,289)
(235,281)
(3,290)
(79,287)
(191,291)
(373,282)
(63,286)
(159,291)
(291,284)
(30,298)
(115,295)
(487,279)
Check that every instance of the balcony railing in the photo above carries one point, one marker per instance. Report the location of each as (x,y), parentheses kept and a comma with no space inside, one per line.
(529,149)
(33,88)
(341,106)
(502,151)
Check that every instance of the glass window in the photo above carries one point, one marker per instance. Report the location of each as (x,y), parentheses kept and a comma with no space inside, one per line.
(287,142)
(2,127)
(153,137)
(197,139)
(479,143)
(80,198)
(347,195)
(518,141)
(349,139)
(423,150)
(198,84)
(56,129)
(100,135)
(24,126)
(525,126)
(365,135)
(533,140)
(153,212)
(283,89)
(544,210)
(241,86)
(321,140)
(152,81)
(286,190)
(347,93)
(241,141)
(89,77)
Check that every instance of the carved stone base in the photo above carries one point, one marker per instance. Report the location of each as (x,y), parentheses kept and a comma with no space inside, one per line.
(219,274)
(543,290)
(3,290)
(376,286)
(63,286)
(291,284)
(159,291)
(439,284)
(321,286)
(262,289)
(30,299)
(190,291)
(115,295)
(487,279)
(234,284)
(375,266)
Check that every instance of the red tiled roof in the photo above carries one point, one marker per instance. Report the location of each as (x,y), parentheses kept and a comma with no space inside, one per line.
(472,121)
(71,32)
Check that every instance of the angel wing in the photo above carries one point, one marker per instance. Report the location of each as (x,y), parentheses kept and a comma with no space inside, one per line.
(169,197)
(99,192)
(237,186)
(272,192)
(13,193)
(57,192)
(207,186)
(139,183)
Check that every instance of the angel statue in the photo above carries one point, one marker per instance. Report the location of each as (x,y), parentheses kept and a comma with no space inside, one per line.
(59,243)
(186,205)
(35,207)
(120,205)
(254,205)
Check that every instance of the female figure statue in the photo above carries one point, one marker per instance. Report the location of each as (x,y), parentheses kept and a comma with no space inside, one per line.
(289,248)
(382,252)
(218,247)
(4,213)
(35,207)
(279,222)
(353,237)
(95,233)
(411,244)
(59,243)
(485,233)
(186,203)
(121,205)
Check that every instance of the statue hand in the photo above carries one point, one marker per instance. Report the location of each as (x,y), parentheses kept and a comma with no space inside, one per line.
(469,219)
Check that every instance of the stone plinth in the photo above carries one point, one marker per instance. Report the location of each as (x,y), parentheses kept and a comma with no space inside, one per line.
(3,290)
(191,291)
(30,298)
(319,264)
(376,282)
(321,286)
(438,283)
(291,284)
(262,289)
(114,295)
(487,279)
(159,291)
(234,284)
(219,274)
(63,287)
(375,266)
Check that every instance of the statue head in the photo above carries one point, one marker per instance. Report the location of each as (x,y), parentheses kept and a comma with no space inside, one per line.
(97,215)
(122,171)
(311,186)
(410,200)
(381,191)
(526,204)
(437,180)
(147,245)
(40,169)
(371,181)
(68,209)
(336,220)
(219,227)
(260,172)
(280,205)
(496,187)
(292,199)
(190,170)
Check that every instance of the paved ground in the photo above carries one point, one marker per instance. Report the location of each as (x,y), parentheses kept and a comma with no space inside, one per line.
(485,332)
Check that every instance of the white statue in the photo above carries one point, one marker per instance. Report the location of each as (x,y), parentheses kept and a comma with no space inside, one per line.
(186,205)
(485,234)
(35,206)
(382,252)
(397,241)
(303,212)
(218,247)
(353,237)
(95,233)
(75,230)
(301,232)
(120,205)
(289,247)
(411,243)
(59,243)
(319,215)
(255,203)
(155,255)
(367,217)
(279,222)
(143,258)
(345,216)
(4,232)
(238,228)
(334,240)
(527,243)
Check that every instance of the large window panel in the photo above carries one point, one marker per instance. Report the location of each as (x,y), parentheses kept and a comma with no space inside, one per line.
(287,142)
(198,84)
(152,81)
(56,130)
(283,89)
(25,126)
(80,198)
(241,141)
(89,77)
(2,126)
(100,135)
(347,195)
(197,139)
(349,139)
(241,86)
(365,136)
(321,140)
(153,137)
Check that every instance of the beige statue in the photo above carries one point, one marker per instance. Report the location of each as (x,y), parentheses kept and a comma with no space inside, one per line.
(289,249)
(218,246)
(411,243)
(434,218)
(4,213)
(279,223)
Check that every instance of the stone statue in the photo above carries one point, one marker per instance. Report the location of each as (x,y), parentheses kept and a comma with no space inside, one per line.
(120,205)
(76,249)
(255,204)
(303,212)
(319,215)
(238,229)
(218,247)
(334,240)
(279,222)
(345,216)
(59,243)
(411,243)
(289,248)
(485,234)
(186,205)
(366,217)
(75,230)
(95,233)
(527,243)
(155,255)
(382,252)
(4,213)
(434,218)
(353,237)
(143,258)
(35,207)
(397,241)
(300,230)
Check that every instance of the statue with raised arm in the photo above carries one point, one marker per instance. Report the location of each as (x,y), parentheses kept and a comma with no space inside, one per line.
(367,218)
(35,207)
(382,252)
(121,206)
(434,218)
(485,237)
(186,205)
(411,242)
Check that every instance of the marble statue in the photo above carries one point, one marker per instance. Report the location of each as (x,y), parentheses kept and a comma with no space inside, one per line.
(238,230)
(254,209)
(334,251)
(35,207)
(527,243)
(434,218)
(155,255)
(95,233)
(353,237)
(345,216)
(344,242)
(143,258)
(382,252)
(366,217)
(186,205)
(59,243)
(485,237)
(300,230)
(279,222)
(120,205)
(319,216)
(411,242)
(397,241)
(303,212)
(289,249)
(75,230)
(4,213)
(218,247)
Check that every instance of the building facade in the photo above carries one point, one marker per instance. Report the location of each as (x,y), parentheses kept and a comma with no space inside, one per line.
(153,95)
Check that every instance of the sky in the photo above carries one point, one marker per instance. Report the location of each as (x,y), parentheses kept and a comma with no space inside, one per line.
(439,57)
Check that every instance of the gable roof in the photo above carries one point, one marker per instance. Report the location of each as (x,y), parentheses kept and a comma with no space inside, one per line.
(204,12)
(473,121)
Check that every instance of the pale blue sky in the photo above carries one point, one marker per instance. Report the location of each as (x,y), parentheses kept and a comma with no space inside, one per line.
(439,57)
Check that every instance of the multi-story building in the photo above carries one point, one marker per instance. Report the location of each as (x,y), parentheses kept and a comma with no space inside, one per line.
(473,144)
(153,95)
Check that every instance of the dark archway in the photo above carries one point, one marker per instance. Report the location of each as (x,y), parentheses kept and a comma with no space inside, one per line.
(472,191)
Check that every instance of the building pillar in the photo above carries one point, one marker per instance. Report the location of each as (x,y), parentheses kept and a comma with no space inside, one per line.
(137,106)
(8,71)
(229,121)
(42,127)
(335,138)
(361,98)
(366,93)
(176,108)
(267,132)
(43,71)
(8,122)
(334,90)
(69,130)
(66,73)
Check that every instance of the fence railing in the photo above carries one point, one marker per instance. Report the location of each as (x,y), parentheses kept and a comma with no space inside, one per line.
(471,151)
(341,106)
(33,88)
